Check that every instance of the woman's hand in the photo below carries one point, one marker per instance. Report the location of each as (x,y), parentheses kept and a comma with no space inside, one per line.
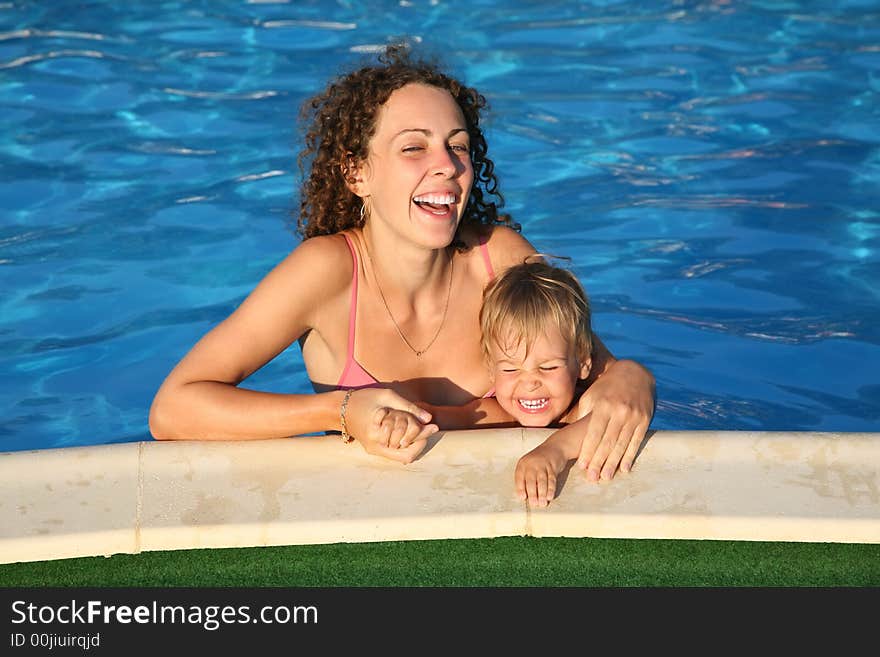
(621,402)
(386,424)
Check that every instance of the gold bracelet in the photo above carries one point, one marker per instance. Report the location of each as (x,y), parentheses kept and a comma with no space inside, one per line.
(346,438)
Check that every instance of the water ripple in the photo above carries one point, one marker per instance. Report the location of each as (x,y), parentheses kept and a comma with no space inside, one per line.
(322,25)
(55,54)
(29,33)
(792,329)
(704,202)
(253,95)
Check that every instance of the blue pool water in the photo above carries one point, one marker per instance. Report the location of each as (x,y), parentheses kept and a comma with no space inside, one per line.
(712,167)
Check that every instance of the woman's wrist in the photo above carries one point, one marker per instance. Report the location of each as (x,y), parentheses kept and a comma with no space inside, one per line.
(343,408)
(331,409)
(633,368)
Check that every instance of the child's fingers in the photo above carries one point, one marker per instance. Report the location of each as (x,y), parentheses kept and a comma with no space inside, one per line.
(532,488)
(407,429)
(399,424)
(412,429)
(519,477)
(379,416)
(383,435)
(545,480)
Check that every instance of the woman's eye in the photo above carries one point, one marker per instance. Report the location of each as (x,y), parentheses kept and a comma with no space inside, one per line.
(412,149)
(460,148)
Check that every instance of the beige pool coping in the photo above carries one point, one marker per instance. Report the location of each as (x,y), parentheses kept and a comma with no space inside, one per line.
(136,497)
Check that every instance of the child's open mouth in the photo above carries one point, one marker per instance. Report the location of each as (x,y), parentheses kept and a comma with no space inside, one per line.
(533,405)
(437,204)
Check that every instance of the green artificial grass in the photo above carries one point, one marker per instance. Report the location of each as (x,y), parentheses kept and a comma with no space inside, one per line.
(512,561)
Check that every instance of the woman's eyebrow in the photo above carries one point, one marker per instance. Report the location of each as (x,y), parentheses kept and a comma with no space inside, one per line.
(428,133)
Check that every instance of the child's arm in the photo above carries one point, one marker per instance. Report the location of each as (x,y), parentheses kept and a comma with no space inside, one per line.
(536,472)
(482,413)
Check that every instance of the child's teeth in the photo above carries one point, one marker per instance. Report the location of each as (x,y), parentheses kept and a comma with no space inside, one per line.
(532,403)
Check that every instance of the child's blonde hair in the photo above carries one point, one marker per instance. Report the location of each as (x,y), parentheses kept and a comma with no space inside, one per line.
(518,304)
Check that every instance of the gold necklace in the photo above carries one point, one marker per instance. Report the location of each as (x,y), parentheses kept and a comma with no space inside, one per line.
(417,352)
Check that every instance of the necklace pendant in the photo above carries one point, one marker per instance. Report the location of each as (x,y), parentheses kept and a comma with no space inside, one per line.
(419,354)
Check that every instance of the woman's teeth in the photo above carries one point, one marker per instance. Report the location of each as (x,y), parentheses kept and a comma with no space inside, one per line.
(435,199)
(438,204)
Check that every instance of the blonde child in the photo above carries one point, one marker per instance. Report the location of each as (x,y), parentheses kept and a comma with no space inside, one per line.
(537,342)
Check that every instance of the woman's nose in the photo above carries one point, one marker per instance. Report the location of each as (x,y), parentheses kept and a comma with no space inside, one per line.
(444,164)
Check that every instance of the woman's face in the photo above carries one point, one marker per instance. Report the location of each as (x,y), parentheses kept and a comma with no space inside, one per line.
(418,174)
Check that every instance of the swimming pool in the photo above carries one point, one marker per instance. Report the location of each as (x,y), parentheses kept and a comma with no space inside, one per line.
(712,167)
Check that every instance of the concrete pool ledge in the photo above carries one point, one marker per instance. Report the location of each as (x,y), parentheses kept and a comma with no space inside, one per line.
(135,497)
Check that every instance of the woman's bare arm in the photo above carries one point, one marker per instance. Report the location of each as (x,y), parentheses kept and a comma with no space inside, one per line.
(200,398)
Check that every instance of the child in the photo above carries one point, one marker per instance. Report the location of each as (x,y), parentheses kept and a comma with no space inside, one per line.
(537,342)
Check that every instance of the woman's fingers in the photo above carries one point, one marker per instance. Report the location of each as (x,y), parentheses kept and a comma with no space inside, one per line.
(421,434)
(403,455)
(612,441)
(546,495)
(400,403)
(596,468)
(632,449)
(621,442)
(595,432)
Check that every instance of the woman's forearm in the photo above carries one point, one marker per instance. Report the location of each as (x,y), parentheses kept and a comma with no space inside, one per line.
(210,410)
(601,358)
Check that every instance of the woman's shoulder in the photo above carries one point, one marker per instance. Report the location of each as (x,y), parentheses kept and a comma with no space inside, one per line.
(505,245)
(321,264)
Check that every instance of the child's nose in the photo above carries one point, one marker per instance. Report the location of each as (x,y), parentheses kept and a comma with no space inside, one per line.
(532,381)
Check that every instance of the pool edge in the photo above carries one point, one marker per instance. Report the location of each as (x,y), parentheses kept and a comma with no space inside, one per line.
(147,496)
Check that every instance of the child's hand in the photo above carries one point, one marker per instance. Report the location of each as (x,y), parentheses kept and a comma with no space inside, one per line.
(388,425)
(398,429)
(536,474)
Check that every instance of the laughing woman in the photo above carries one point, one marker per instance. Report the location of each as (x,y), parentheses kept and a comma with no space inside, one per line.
(384,292)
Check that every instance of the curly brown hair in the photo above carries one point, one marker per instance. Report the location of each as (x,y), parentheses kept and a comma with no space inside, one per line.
(342,120)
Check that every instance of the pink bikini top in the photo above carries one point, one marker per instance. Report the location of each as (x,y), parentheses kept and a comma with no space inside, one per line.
(353,375)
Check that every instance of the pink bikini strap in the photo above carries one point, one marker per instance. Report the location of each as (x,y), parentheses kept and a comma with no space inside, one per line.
(485,251)
(352,311)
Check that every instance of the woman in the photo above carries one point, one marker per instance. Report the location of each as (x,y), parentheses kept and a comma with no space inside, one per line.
(400,239)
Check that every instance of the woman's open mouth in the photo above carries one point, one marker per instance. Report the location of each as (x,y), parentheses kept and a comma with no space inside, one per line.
(438,205)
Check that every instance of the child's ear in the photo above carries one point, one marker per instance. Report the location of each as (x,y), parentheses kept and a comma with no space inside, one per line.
(355,175)
(585,368)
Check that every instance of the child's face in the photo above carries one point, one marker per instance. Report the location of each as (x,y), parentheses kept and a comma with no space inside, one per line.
(536,389)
